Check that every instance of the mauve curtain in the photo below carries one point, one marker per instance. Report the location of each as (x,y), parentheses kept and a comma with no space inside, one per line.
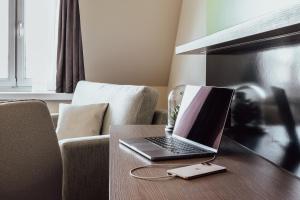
(70,66)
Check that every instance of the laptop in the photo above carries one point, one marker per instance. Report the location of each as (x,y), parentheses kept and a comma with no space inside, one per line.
(198,129)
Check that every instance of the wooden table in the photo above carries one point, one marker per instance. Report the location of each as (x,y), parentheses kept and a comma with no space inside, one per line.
(249,177)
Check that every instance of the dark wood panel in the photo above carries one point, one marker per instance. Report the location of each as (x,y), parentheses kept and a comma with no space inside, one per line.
(249,176)
(269,81)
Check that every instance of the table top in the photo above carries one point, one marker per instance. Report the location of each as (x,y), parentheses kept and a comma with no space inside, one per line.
(248,175)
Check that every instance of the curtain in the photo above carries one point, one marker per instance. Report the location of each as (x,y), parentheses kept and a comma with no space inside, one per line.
(70,66)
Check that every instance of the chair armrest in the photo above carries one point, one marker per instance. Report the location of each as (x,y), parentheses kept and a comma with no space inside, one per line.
(160,117)
(54,117)
(85,167)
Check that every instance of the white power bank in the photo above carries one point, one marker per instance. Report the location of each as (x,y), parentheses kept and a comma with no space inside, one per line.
(194,171)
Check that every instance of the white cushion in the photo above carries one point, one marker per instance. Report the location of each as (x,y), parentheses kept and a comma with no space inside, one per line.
(128,104)
(80,120)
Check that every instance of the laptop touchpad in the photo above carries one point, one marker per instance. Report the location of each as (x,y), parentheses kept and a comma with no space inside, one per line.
(146,146)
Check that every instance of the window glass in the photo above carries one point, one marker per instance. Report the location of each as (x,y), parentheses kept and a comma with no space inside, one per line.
(40,33)
(4,38)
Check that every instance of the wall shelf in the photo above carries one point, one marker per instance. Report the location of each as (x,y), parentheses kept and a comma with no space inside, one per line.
(274,29)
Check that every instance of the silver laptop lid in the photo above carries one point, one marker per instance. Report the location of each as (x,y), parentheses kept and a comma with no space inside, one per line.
(202,115)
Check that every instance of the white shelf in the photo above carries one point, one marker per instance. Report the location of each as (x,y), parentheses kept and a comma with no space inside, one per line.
(264,31)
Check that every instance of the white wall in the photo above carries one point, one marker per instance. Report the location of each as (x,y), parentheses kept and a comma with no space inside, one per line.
(222,14)
(189,69)
(129,41)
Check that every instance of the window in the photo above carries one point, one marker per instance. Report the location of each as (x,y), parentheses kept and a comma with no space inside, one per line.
(7,43)
(28,44)
(4,6)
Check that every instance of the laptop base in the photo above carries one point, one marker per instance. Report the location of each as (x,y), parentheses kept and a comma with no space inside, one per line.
(155,153)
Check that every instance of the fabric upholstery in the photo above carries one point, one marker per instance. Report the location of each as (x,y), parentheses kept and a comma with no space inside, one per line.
(160,117)
(86,168)
(54,117)
(30,159)
(86,159)
(128,104)
(80,120)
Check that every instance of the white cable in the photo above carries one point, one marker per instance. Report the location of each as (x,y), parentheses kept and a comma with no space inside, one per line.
(168,176)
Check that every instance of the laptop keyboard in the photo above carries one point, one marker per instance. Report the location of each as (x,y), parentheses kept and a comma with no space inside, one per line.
(176,146)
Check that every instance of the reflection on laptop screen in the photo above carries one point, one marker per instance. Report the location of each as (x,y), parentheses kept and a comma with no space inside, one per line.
(202,114)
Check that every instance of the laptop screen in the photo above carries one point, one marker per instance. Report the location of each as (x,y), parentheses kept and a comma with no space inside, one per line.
(202,114)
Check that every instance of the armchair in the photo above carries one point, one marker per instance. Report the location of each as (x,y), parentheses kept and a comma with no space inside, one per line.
(30,160)
(85,159)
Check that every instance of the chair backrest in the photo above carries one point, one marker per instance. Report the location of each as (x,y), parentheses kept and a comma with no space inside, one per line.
(30,159)
(128,104)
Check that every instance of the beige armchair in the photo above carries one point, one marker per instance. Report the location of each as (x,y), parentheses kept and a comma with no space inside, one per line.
(85,160)
(30,159)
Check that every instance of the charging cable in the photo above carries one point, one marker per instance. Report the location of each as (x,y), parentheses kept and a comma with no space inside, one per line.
(164,177)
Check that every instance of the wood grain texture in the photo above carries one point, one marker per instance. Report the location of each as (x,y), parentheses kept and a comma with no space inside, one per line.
(248,177)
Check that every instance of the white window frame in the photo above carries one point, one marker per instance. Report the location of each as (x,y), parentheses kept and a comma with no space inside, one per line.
(16,57)
(20,69)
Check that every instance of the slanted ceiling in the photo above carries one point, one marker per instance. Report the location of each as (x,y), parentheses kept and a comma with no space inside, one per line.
(129,41)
